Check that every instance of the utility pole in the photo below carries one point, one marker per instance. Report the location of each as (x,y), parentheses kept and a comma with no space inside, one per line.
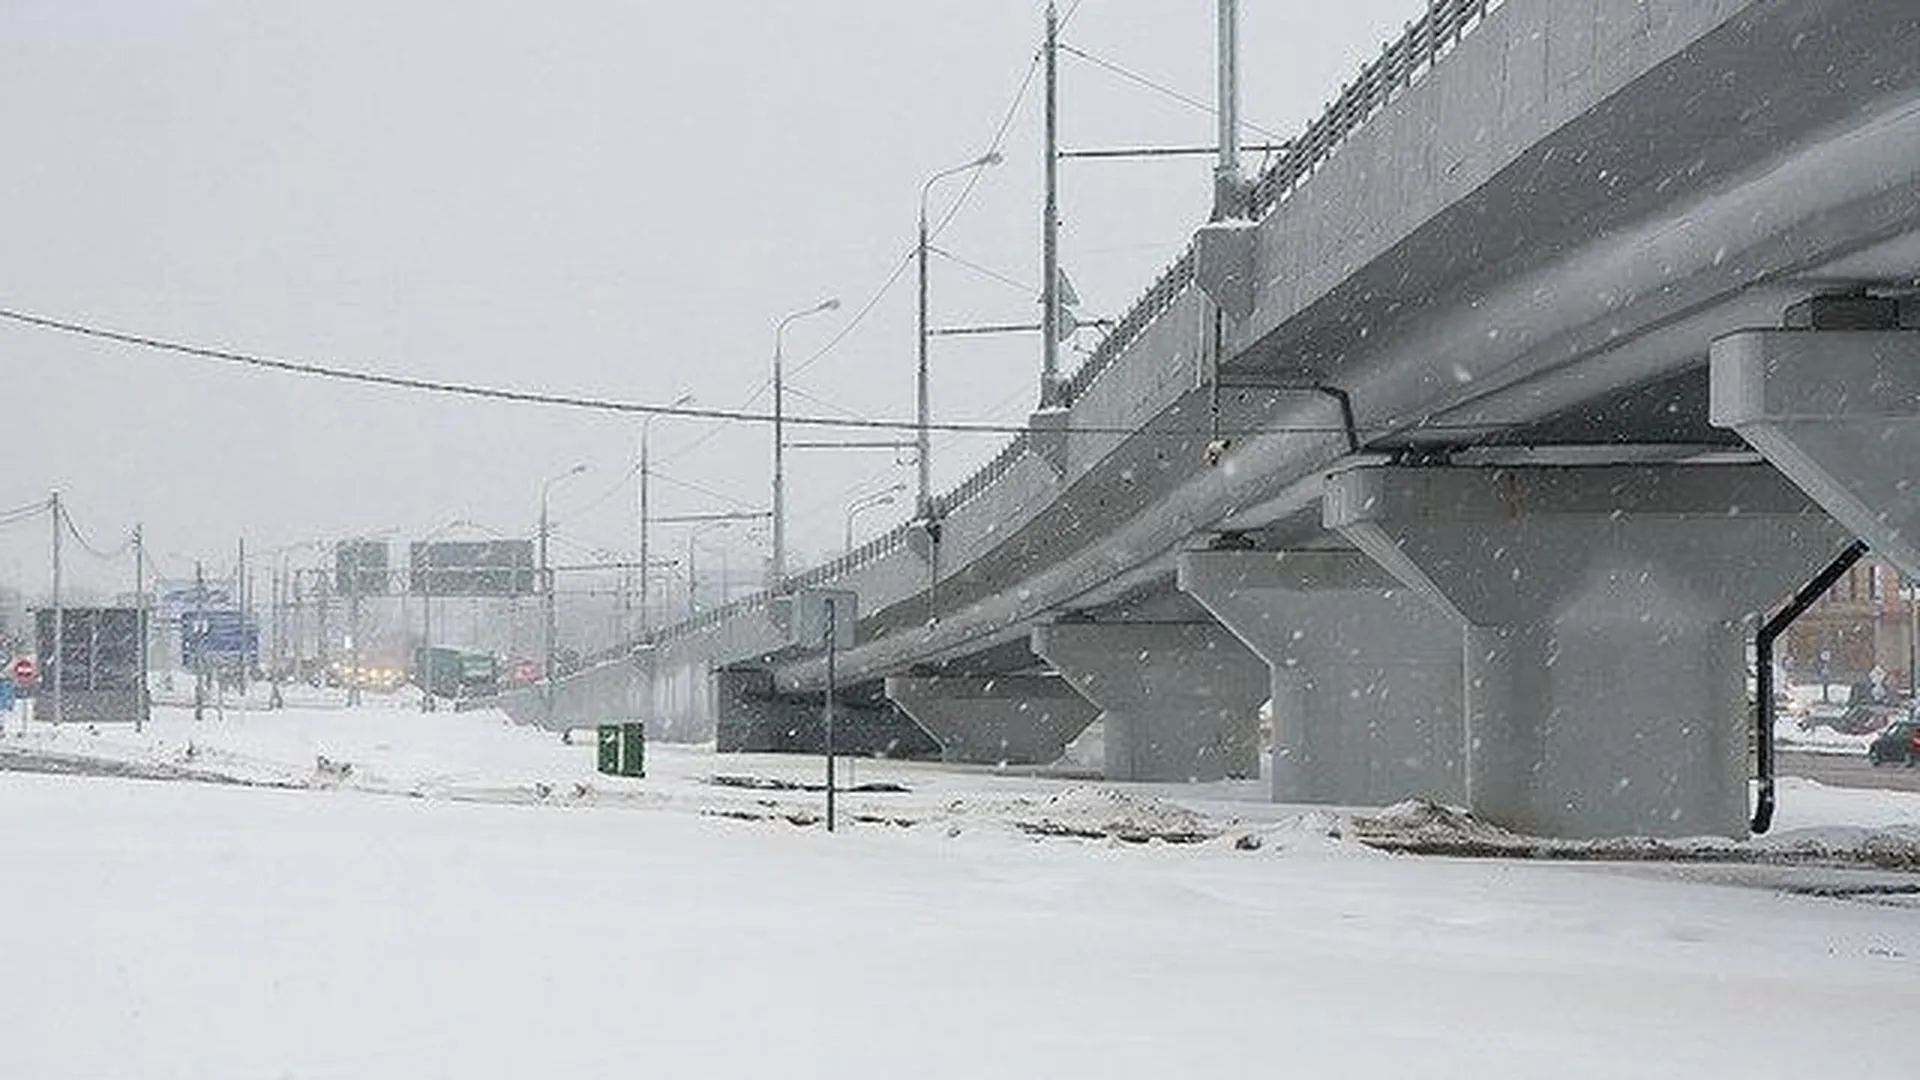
(200,640)
(240,593)
(549,617)
(646,513)
(921,443)
(425,659)
(353,646)
(1228,195)
(59,612)
(1050,224)
(322,609)
(692,576)
(778,565)
(140,622)
(646,523)
(778,568)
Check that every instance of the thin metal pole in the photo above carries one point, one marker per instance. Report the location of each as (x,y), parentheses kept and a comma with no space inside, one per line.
(922,444)
(1913,641)
(240,594)
(646,527)
(323,612)
(549,617)
(200,636)
(1226,173)
(140,623)
(59,614)
(778,569)
(1050,224)
(426,631)
(833,617)
(353,645)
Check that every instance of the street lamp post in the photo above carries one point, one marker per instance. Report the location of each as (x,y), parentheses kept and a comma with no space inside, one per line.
(921,442)
(869,502)
(1228,198)
(778,570)
(693,576)
(646,516)
(551,617)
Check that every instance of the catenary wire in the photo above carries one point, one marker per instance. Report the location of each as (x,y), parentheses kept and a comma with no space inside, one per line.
(574,401)
(1161,88)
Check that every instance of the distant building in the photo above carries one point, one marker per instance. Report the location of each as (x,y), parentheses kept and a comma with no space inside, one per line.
(1866,621)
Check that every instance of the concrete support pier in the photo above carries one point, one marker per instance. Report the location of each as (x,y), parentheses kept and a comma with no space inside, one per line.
(1180,701)
(1607,613)
(1837,411)
(1366,673)
(755,717)
(997,719)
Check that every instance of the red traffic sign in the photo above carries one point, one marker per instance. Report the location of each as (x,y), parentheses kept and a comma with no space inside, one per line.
(25,669)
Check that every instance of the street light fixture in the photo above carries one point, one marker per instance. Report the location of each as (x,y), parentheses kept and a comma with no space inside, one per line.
(646,517)
(869,502)
(550,629)
(779,564)
(922,444)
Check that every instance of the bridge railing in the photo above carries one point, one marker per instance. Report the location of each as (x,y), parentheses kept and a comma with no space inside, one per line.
(1400,65)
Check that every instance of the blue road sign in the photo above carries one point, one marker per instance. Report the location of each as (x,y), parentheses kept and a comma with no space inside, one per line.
(218,635)
(6,694)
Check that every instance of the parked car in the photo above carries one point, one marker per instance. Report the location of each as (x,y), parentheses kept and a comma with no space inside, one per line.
(1867,719)
(1898,744)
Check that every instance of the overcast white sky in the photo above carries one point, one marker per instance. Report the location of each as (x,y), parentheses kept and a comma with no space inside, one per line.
(616,199)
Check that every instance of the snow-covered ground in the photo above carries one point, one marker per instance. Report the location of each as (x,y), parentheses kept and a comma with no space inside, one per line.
(524,916)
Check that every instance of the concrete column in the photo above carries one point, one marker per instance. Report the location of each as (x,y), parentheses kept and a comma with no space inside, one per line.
(1367,695)
(750,717)
(1839,413)
(1608,611)
(995,720)
(1179,701)
(753,716)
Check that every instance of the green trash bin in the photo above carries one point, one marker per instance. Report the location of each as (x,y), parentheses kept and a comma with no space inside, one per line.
(623,749)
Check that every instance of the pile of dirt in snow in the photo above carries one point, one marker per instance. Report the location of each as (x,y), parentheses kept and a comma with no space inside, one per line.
(1097,812)
(1421,827)
(1892,848)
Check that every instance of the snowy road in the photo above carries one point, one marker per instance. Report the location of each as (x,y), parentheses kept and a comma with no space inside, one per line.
(1849,771)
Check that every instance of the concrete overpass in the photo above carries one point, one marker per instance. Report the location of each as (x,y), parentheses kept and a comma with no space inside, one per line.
(1477,450)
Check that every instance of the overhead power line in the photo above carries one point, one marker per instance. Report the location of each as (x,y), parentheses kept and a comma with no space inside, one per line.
(73,530)
(985,271)
(1161,88)
(21,514)
(700,489)
(573,401)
